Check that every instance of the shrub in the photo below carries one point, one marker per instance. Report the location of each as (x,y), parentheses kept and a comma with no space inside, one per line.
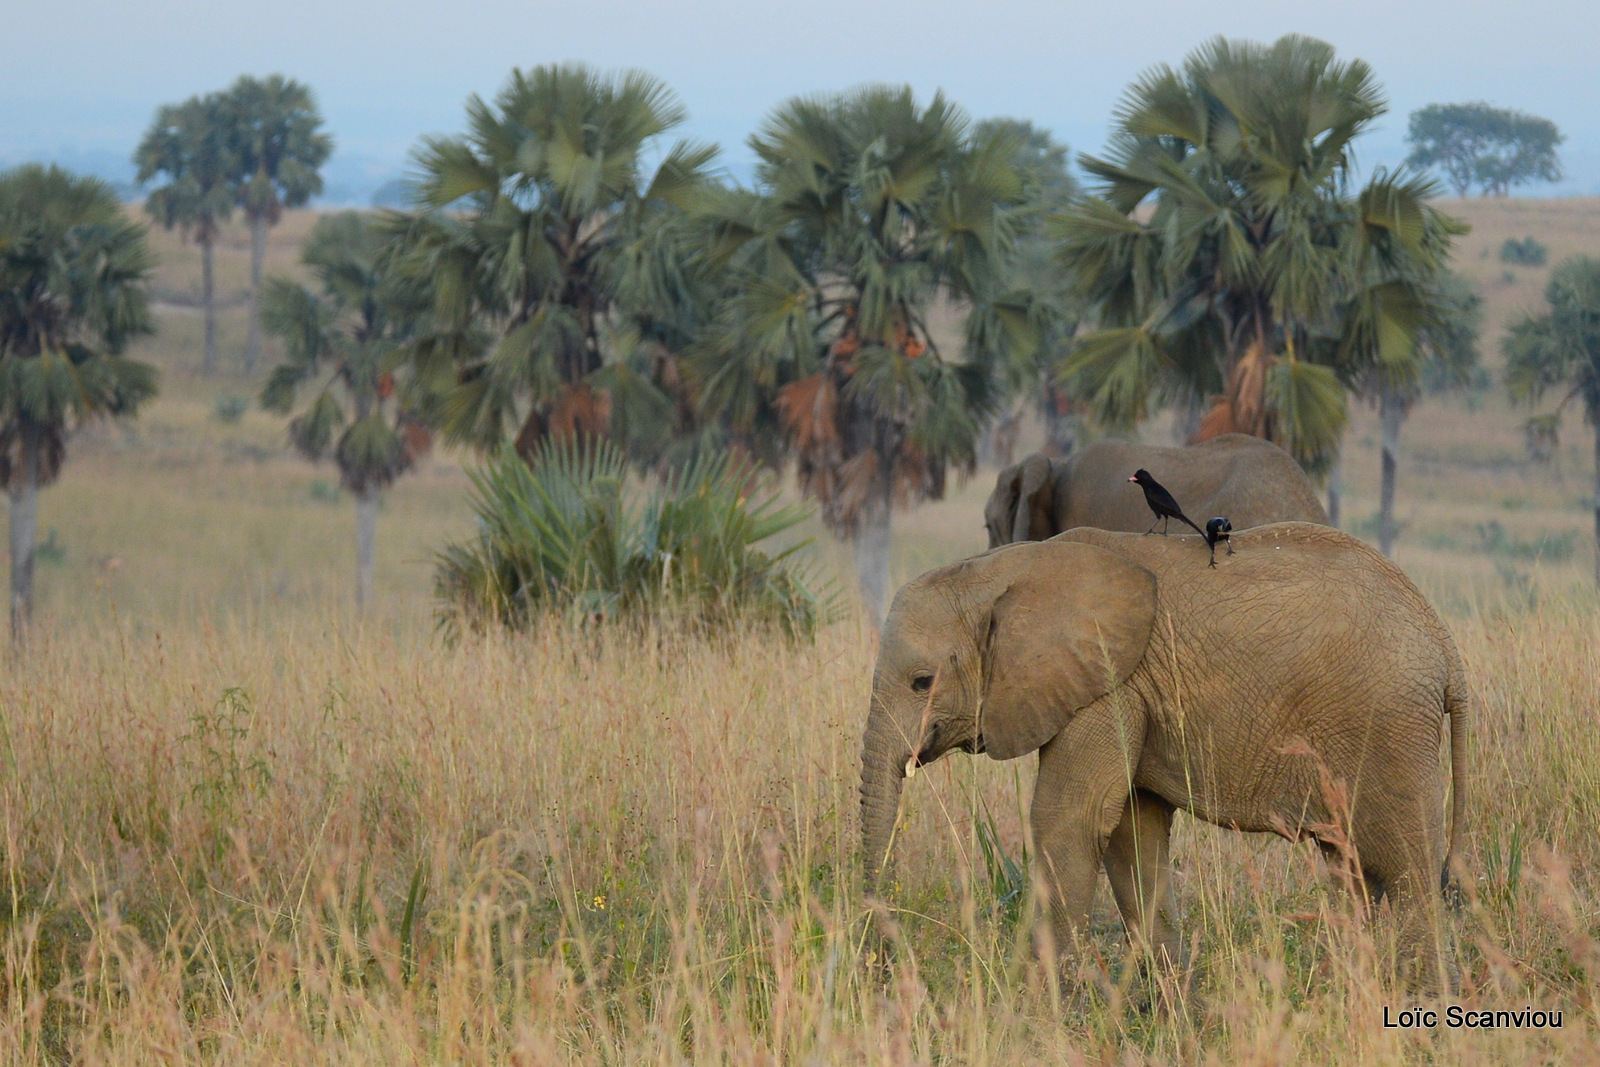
(230,408)
(562,533)
(1496,540)
(1526,252)
(50,550)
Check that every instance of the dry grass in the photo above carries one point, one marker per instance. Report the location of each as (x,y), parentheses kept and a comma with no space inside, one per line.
(301,841)
(238,825)
(1569,226)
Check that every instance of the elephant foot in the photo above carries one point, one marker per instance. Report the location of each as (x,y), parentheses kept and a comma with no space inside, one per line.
(1154,985)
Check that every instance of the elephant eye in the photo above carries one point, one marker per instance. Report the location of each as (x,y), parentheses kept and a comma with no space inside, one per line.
(922,683)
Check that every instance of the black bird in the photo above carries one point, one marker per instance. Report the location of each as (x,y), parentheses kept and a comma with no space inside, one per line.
(1161,503)
(1218,529)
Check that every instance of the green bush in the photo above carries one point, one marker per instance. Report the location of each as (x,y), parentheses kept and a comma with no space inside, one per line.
(229,408)
(563,533)
(50,550)
(1526,252)
(1496,540)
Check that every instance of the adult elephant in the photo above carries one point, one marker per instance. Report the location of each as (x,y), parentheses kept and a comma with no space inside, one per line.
(1251,481)
(1255,696)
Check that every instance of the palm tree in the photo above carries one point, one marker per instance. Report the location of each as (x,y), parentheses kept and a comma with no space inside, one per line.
(1225,261)
(1561,348)
(191,144)
(72,269)
(556,254)
(1447,347)
(342,339)
(274,121)
(869,209)
(1048,187)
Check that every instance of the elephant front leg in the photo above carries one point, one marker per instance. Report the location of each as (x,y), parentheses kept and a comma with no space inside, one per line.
(1077,804)
(1138,863)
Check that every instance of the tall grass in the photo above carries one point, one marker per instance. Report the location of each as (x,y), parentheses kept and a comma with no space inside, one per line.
(235,829)
(224,845)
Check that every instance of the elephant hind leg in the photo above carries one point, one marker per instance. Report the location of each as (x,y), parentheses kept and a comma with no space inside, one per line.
(1424,957)
(1138,862)
(1402,846)
(1403,867)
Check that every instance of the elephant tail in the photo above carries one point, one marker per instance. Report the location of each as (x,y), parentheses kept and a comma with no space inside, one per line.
(1458,704)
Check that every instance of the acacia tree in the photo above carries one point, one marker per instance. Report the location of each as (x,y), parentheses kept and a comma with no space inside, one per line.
(72,272)
(1224,257)
(1493,147)
(192,146)
(868,209)
(342,340)
(274,123)
(555,254)
(1561,349)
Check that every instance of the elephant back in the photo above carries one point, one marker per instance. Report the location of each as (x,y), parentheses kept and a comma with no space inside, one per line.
(1295,584)
(1251,481)
(1263,484)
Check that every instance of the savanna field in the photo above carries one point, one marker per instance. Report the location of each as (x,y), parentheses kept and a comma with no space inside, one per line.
(241,824)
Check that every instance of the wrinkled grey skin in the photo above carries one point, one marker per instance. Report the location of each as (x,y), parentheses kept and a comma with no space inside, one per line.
(1251,481)
(1125,660)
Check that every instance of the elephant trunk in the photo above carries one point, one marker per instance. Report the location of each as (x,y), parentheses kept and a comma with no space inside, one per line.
(884,754)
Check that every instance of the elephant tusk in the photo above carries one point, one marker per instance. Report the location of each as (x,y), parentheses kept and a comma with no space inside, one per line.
(911,766)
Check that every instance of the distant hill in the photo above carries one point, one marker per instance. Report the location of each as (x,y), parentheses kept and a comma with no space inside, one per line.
(1566,226)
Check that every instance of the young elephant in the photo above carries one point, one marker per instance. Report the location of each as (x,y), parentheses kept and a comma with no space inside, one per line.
(1251,481)
(1148,682)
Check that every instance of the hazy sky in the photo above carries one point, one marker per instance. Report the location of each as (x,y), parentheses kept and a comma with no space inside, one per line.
(82,78)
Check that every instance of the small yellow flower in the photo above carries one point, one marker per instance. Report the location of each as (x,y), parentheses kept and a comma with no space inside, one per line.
(600,902)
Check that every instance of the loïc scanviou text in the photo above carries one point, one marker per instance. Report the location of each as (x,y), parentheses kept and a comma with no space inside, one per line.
(1457,1017)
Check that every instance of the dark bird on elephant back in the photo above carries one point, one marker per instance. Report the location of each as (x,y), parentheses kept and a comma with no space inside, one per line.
(1161,502)
(1218,529)
(1253,482)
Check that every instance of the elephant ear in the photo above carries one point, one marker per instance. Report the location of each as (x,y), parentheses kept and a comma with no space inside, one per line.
(1035,493)
(999,513)
(1069,624)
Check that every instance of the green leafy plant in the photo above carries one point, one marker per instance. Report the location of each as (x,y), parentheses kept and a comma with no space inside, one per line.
(1496,540)
(1527,252)
(1502,864)
(1007,876)
(563,533)
(226,777)
(51,550)
(229,408)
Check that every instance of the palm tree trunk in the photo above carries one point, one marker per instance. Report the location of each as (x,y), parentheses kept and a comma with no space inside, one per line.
(208,300)
(1391,413)
(366,544)
(872,549)
(1596,502)
(1186,417)
(24,535)
(1336,487)
(1059,425)
(258,257)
